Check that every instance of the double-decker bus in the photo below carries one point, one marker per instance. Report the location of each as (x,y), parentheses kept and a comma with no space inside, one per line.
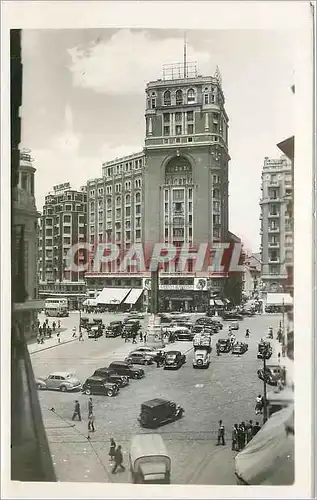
(56,306)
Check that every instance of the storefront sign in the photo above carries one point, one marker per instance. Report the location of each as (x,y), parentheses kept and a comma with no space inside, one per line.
(200,284)
(62,187)
(177,287)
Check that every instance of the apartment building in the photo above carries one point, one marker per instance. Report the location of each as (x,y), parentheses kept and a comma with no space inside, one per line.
(174,191)
(63,224)
(276,223)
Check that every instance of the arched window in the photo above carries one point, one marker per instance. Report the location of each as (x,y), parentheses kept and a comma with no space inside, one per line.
(179,97)
(167,98)
(118,200)
(137,198)
(127,199)
(191,97)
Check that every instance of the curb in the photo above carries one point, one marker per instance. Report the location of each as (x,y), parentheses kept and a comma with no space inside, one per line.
(52,346)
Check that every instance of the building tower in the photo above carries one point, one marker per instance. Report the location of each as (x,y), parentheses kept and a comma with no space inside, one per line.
(276,223)
(186,158)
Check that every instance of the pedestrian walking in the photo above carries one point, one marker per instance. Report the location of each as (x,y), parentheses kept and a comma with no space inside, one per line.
(255,429)
(141,336)
(39,338)
(74,331)
(221,434)
(91,422)
(49,332)
(42,338)
(44,327)
(81,337)
(118,460)
(134,338)
(54,326)
(59,324)
(259,404)
(58,337)
(249,431)
(112,450)
(144,337)
(234,445)
(241,436)
(90,406)
(76,411)
(46,321)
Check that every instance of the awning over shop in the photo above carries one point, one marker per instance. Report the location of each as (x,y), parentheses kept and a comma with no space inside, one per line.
(112,296)
(133,296)
(218,302)
(278,299)
(268,459)
(90,302)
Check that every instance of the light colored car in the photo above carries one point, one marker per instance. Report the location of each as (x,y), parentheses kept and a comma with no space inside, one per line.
(59,381)
(139,358)
(149,351)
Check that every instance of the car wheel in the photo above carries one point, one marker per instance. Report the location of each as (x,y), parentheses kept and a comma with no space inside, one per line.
(39,387)
(135,376)
(110,393)
(63,388)
(87,391)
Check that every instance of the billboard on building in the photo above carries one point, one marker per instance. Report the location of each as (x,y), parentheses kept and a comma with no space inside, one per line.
(200,283)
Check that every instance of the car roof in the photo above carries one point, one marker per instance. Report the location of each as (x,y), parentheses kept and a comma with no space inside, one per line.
(173,352)
(119,363)
(61,374)
(104,369)
(95,378)
(152,403)
(273,367)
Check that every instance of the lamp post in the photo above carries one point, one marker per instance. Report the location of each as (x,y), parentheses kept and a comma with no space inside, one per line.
(264,385)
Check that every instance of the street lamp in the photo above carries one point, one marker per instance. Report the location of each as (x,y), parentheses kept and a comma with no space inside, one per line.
(265,352)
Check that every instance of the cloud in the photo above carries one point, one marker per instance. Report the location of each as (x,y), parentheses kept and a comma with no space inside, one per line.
(128,60)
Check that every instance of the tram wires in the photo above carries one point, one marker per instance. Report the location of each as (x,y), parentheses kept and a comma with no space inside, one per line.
(86,439)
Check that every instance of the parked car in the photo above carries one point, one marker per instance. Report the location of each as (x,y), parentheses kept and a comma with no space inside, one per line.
(99,322)
(197,329)
(111,376)
(224,345)
(126,369)
(264,350)
(59,381)
(149,460)
(272,374)
(130,328)
(84,322)
(164,318)
(204,320)
(112,332)
(232,316)
(134,316)
(150,351)
(183,334)
(100,386)
(116,326)
(139,358)
(174,359)
(95,332)
(239,348)
(157,412)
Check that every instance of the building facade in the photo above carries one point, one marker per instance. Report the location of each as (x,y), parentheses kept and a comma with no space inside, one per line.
(24,232)
(276,223)
(251,275)
(174,191)
(63,224)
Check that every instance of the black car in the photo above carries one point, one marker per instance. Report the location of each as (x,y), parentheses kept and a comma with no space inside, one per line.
(99,385)
(164,318)
(126,369)
(203,321)
(116,326)
(99,322)
(111,376)
(95,332)
(157,412)
(273,374)
(232,316)
(131,328)
(183,334)
(174,359)
(239,348)
(84,322)
(264,350)
(224,345)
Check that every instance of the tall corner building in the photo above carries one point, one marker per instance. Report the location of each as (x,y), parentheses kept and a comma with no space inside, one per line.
(276,223)
(174,191)
(63,224)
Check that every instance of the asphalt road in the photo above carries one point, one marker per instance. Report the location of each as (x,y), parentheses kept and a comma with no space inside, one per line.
(227,391)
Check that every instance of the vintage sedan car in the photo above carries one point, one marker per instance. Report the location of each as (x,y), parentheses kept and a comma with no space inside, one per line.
(130,328)
(272,374)
(59,381)
(158,412)
(232,316)
(99,386)
(265,350)
(224,345)
(150,351)
(111,376)
(95,332)
(126,369)
(234,325)
(174,360)
(116,326)
(139,358)
(183,333)
(239,348)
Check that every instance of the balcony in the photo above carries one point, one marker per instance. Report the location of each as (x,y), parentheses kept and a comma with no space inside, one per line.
(273,229)
(272,215)
(273,184)
(276,260)
(274,245)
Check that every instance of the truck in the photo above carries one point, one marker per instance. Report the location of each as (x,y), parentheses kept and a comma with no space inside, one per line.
(202,350)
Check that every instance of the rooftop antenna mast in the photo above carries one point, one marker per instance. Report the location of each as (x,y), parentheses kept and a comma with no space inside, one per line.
(185,56)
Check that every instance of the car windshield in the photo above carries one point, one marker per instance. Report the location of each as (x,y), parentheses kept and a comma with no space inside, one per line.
(70,375)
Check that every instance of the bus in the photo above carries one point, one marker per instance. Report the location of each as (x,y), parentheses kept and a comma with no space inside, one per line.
(56,307)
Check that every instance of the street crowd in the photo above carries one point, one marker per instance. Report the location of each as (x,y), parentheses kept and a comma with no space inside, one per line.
(241,434)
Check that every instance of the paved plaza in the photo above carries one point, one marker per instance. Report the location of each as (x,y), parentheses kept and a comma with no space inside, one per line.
(227,391)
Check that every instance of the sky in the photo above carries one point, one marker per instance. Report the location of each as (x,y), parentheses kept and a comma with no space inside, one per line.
(84,102)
